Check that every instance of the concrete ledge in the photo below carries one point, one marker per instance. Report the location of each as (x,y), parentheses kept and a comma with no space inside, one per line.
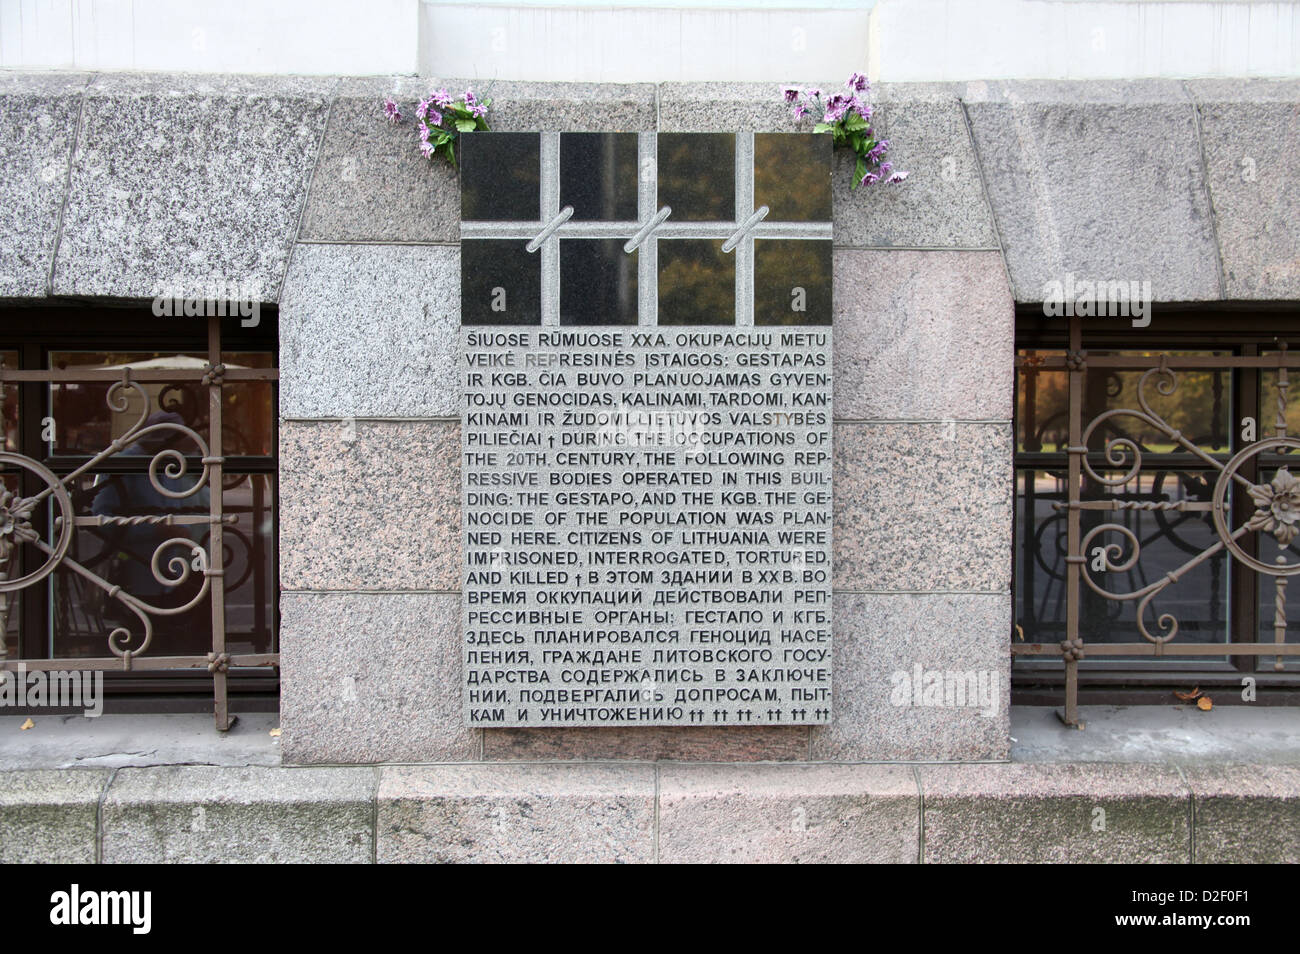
(517,813)
(253,815)
(1067,812)
(811,814)
(1055,813)
(50,816)
(1246,814)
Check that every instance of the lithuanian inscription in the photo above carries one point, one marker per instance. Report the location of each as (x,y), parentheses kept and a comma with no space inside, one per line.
(647,526)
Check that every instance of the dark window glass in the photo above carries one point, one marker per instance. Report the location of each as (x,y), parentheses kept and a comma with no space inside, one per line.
(697,283)
(597,283)
(1157,514)
(500,177)
(123,516)
(792,282)
(83,615)
(86,425)
(697,176)
(792,176)
(1169,538)
(598,176)
(500,283)
(9,405)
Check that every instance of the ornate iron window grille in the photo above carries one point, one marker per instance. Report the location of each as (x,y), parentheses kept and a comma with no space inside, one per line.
(174,561)
(1276,501)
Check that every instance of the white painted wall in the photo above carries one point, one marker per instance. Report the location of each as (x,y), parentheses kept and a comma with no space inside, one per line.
(594,44)
(1084,39)
(323,37)
(647,40)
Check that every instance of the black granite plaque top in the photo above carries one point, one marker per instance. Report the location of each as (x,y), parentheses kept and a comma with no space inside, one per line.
(500,283)
(792,176)
(697,283)
(792,281)
(598,176)
(772,214)
(500,177)
(697,176)
(598,283)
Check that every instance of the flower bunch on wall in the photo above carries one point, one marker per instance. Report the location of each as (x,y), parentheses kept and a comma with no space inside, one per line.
(846,115)
(440,119)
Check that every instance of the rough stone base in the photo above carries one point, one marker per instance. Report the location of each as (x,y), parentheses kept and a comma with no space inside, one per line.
(654,812)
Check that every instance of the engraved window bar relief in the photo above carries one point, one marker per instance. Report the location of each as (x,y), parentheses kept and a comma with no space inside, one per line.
(646,355)
(134,530)
(714,228)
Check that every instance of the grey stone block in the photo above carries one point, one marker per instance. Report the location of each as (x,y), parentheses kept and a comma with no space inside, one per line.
(371,184)
(1100,180)
(519,106)
(880,640)
(38,123)
(1057,813)
(369,505)
(1246,814)
(580,812)
(372,677)
(923,507)
(50,816)
(184,182)
(923,335)
(811,814)
(942,203)
(729,107)
(370,331)
(252,815)
(1251,133)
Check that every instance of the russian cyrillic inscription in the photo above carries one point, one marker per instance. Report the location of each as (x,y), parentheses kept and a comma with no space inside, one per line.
(647,525)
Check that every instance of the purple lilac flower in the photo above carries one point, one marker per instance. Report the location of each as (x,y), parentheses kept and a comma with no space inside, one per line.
(800,110)
(426,149)
(422,110)
(434,117)
(897,177)
(469,97)
(836,107)
(442,98)
(813,93)
(477,109)
(878,151)
(859,107)
(857,81)
(791,94)
(391,111)
(424,133)
(869,179)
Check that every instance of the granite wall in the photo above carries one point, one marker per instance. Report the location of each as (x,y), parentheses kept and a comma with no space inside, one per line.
(110,184)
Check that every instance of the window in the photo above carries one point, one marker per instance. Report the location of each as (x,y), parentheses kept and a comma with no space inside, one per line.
(1156,555)
(132,443)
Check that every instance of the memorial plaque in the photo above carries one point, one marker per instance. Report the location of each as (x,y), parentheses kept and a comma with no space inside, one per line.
(646,441)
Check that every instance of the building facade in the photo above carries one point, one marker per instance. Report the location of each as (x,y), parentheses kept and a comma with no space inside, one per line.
(1044,223)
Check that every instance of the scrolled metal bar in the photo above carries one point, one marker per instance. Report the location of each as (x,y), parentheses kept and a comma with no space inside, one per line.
(15,519)
(1219,501)
(120,635)
(1171,577)
(1167,622)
